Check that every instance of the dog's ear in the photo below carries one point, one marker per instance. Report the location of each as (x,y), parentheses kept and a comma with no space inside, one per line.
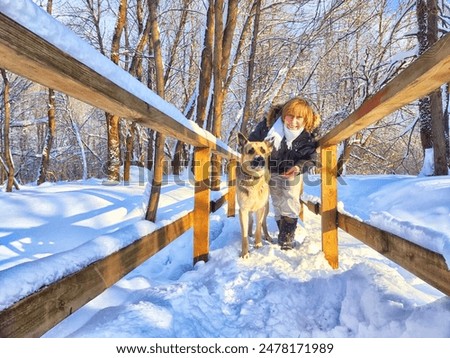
(269,142)
(242,139)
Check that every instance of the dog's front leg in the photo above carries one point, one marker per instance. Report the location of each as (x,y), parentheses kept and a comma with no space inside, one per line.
(259,220)
(243,216)
(264,223)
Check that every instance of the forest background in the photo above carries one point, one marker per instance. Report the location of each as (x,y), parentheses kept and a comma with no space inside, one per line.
(223,63)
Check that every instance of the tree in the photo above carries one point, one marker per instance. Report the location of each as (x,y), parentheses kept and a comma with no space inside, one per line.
(51,130)
(160,138)
(432,126)
(136,70)
(205,74)
(223,40)
(251,68)
(439,128)
(6,133)
(113,121)
(180,150)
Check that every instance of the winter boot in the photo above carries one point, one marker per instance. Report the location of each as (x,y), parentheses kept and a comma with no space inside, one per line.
(287,232)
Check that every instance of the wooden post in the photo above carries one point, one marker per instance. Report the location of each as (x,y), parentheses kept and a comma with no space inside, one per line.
(201,204)
(329,205)
(231,187)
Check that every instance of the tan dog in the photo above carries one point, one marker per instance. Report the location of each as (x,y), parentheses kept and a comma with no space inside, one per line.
(252,189)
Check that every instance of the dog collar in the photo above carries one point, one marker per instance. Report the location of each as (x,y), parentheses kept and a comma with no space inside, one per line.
(248,179)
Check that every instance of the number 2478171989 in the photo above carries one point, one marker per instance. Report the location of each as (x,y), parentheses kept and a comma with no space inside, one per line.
(297,348)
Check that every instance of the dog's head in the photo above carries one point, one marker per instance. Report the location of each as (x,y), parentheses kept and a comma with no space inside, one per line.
(254,155)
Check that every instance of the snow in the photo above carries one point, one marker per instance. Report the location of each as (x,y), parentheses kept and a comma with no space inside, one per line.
(49,231)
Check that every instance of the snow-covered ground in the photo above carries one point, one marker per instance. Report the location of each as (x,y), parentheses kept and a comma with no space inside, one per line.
(54,229)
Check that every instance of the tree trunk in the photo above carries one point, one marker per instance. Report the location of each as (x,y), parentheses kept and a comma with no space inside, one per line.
(150,149)
(438,127)
(446,115)
(113,147)
(51,129)
(432,127)
(128,152)
(8,156)
(179,158)
(177,162)
(136,70)
(251,69)
(206,72)
(223,39)
(206,67)
(228,36)
(424,103)
(160,138)
(77,133)
(113,121)
(218,90)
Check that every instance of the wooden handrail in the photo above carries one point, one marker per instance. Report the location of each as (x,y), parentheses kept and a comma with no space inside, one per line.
(32,56)
(425,74)
(35,314)
(426,264)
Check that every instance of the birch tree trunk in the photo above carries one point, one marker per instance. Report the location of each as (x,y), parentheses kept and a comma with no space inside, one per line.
(160,138)
(77,133)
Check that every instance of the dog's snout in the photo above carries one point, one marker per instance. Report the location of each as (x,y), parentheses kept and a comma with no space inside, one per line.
(258,161)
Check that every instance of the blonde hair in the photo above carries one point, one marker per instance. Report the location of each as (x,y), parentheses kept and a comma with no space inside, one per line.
(299,107)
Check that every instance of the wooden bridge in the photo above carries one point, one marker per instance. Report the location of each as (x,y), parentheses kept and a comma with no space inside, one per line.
(35,56)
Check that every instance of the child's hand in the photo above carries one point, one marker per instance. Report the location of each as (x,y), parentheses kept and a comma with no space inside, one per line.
(291,172)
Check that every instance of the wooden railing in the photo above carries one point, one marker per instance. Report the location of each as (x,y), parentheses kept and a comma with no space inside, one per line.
(32,55)
(424,75)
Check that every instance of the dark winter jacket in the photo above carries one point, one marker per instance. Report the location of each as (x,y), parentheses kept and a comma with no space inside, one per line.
(302,153)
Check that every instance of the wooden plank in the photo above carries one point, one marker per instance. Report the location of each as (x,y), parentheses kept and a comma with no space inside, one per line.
(313,207)
(329,205)
(202,165)
(424,75)
(37,313)
(215,205)
(31,56)
(425,264)
(232,188)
